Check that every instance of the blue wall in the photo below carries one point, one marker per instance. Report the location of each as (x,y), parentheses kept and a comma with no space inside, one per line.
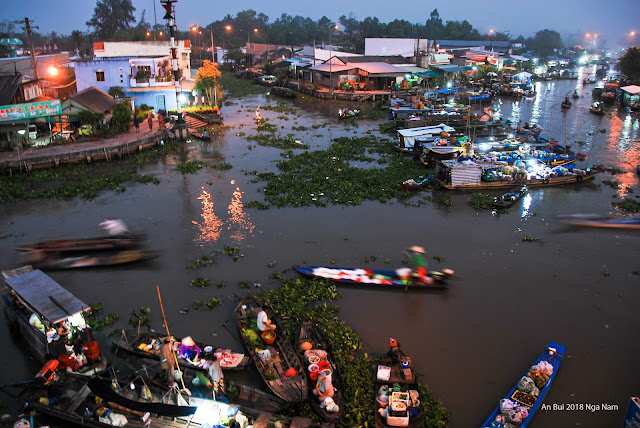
(86,77)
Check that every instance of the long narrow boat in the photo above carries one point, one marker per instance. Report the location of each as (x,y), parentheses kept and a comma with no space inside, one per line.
(315,350)
(34,305)
(397,396)
(283,92)
(146,345)
(45,260)
(521,402)
(594,220)
(142,406)
(509,198)
(451,174)
(419,182)
(278,363)
(376,278)
(131,240)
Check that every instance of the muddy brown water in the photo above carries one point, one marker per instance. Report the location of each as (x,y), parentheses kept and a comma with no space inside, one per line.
(471,343)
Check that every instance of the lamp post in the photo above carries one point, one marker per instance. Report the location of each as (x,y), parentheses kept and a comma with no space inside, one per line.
(255,30)
(213,51)
(330,59)
(634,34)
(491,39)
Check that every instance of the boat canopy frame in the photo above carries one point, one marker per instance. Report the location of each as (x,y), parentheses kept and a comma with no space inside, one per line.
(45,296)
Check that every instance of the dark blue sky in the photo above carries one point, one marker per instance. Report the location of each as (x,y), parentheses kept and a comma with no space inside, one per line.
(613,20)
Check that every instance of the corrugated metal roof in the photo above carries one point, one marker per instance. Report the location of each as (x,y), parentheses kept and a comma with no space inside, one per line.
(389,59)
(333,68)
(9,84)
(632,89)
(380,68)
(94,99)
(46,296)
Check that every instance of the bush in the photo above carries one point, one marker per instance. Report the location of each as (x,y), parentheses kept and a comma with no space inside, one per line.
(116,92)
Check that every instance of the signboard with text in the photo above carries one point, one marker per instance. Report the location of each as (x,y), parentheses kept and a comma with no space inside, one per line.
(30,110)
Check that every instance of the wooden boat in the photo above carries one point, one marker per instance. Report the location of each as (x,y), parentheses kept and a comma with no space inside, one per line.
(596,108)
(594,220)
(278,363)
(397,397)
(131,240)
(345,113)
(200,135)
(44,260)
(508,199)
(146,345)
(452,175)
(313,349)
(575,95)
(376,278)
(146,405)
(421,181)
(565,104)
(34,305)
(526,400)
(283,92)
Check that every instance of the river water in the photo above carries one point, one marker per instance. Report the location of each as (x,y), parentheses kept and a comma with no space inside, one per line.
(471,343)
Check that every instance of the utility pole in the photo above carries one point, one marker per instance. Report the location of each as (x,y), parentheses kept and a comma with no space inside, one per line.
(34,63)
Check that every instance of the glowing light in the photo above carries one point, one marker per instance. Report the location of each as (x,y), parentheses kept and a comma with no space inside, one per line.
(449,84)
(53,71)
(194,28)
(182,98)
(148,33)
(228,27)
(258,116)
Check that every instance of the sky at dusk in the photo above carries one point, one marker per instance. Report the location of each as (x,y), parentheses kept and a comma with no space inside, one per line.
(613,20)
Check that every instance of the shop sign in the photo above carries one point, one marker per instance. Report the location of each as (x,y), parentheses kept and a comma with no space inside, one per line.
(30,110)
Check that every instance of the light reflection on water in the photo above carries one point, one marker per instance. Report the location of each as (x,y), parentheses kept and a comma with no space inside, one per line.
(239,222)
(526,205)
(211,225)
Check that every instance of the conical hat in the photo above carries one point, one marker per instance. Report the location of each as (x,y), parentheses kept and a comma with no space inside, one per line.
(188,341)
(417,249)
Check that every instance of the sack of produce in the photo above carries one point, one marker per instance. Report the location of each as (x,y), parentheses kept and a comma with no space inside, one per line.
(507,405)
(525,384)
(540,379)
(543,367)
(535,391)
(518,415)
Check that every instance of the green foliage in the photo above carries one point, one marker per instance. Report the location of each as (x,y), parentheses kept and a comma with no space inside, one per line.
(87,117)
(628,205)
(544,42)
(121,116)
(527,238)
(629,64)
(610,183)
(349,172)
(481,201)
(191,167)
(111,16)
(117,92)
(238,88)
(200,282)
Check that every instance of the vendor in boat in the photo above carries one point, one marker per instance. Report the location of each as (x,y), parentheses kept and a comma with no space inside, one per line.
(418,262)
(189,350)
(264,323)
(394,352)
(168,360)
(324,388)
(15,301)
(216,375)
(205,134)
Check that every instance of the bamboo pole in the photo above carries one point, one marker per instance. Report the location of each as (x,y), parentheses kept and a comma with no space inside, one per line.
(166,326)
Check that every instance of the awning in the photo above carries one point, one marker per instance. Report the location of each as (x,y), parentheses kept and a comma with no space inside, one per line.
(444,91)
(631,89)
(508,68)
(46,296)
(429,73)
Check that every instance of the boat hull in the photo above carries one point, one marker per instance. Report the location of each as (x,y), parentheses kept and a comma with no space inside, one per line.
(370,278)
(538,182)
(554,358)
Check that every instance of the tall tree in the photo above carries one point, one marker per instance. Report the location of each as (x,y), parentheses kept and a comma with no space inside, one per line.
(629,64)
(110,16)
(434,28)
(545,42)
(207,79)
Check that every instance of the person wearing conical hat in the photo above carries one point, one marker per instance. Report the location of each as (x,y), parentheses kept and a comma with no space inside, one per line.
(418,261)
(189,350)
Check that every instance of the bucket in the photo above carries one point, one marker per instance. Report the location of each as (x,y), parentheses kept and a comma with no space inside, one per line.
(67,361)
(322,365)
(91,350)
(268,337)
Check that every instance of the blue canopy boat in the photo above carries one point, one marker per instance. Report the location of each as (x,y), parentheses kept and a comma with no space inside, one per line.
(523,405)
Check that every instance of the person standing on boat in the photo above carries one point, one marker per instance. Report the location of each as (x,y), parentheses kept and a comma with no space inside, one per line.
(168,360)
(418,261)
(216,375)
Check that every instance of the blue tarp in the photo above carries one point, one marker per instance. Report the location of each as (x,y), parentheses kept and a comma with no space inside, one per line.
(444,91)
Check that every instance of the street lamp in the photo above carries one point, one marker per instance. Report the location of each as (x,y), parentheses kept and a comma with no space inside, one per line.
(330,56)
(634,34)
(213,51)
(255,30)
(491,39)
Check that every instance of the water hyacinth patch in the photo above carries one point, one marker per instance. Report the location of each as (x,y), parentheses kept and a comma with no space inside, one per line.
(349,172)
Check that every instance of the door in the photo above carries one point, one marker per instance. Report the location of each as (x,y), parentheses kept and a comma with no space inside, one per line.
(160,104)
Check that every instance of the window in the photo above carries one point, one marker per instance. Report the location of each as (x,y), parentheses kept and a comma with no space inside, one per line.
(99,75)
